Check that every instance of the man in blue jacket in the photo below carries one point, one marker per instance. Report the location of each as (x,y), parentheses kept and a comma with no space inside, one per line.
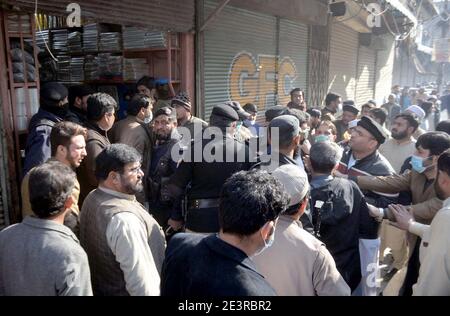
(53,108)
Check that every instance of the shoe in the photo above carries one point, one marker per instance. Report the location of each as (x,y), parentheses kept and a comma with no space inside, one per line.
(390,274)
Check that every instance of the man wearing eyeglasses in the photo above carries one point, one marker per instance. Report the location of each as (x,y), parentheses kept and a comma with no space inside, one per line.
(363,158)
(125,245)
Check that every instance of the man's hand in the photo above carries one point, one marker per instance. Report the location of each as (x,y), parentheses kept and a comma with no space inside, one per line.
(375,212)
(307,163)
(306,147)
(402,216)
(176,225)
(337,174)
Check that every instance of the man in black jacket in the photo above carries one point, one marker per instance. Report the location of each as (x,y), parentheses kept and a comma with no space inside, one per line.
(206,164)
(220,264)
(77,112)
(340,215)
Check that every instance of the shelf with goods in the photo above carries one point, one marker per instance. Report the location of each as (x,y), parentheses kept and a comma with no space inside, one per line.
(22,91)
(125,61)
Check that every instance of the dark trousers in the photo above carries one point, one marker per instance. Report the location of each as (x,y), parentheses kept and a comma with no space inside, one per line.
(203,220)
(412,274)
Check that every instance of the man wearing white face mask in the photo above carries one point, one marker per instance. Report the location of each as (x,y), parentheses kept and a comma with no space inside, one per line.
(162,165)
(298,263)
(220,264)
(134,130)
(419,181)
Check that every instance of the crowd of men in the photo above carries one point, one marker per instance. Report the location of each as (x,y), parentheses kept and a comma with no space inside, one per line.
(313,201)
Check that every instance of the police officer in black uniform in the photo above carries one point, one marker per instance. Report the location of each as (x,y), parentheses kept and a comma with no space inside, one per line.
(163,164)
(207,163)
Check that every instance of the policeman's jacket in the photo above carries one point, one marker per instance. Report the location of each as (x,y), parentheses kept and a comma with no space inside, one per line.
(206,165)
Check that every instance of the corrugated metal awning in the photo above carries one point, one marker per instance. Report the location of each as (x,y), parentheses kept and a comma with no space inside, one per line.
(404,10)
(172,15)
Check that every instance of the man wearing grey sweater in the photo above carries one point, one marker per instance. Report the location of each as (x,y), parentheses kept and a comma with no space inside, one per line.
(41,256)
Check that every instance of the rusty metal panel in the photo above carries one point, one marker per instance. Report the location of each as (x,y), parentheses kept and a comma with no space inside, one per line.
(172,15)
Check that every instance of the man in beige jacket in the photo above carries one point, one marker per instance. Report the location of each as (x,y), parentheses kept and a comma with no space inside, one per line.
(298,263)
(68,146)
(434,277)
(134,130)
(125,245)
(419,181)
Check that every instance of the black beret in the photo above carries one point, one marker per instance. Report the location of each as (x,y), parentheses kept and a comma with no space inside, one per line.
(250,108)
(274,111)
(287,124)
(348,102)
(80,91)
(239,110)
(53,91)
(225,111)
(314,112)
(350,108)
(375,129)
(167,110)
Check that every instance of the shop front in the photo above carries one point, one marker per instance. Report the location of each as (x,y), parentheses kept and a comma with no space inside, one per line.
(115,44)
(251,56)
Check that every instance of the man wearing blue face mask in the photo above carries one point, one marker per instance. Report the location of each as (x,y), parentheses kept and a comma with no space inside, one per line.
(419,181)
(220,264)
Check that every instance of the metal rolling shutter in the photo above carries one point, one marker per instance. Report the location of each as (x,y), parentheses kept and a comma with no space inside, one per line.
(173,15)
(366,75)
(293,45)
(236,31)
(239,58)
(343,61)
(385,69)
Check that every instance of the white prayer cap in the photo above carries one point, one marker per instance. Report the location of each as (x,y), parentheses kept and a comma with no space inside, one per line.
(294,180)
(417,110)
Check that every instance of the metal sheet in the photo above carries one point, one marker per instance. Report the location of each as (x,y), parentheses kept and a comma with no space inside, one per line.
(173,15)
(385,69)
(366,75)
(235,45)
(343,61)
(293,48)
(241,61)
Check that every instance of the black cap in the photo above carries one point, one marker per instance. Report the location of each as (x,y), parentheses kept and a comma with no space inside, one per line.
(314,112)
(350,108)
(348,102)
(274,111)
(239,110)
(288,125)
(80,91)
(166,110)
(225,111)
(375,129)
(250,108)
(53,91)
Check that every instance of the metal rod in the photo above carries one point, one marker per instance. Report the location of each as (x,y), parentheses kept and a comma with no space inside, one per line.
(214,14)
